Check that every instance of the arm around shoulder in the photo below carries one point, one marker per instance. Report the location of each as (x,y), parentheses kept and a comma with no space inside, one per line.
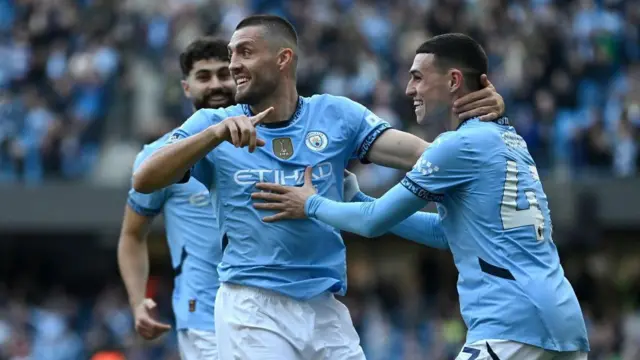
(397,149)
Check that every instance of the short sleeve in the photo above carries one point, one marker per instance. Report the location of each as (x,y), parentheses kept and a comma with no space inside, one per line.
(198,122)
(365,128)
(446,165)
(148,205)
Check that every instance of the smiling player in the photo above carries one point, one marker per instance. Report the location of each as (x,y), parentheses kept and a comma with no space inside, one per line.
(277,298)
(514,297)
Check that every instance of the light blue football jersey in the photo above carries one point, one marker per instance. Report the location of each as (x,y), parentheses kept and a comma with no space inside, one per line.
(194,244)
(298,258)
(495,215)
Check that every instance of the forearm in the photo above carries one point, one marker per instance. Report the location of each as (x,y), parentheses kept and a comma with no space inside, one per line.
(368,219)
(133,261)
(170,163)
(421,227)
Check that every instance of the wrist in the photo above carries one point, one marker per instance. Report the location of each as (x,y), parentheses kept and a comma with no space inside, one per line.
(309,206)
(216,133)
(134,302)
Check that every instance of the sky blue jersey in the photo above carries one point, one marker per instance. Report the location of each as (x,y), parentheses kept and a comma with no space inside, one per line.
(194,244)
(298,258)
(496,219)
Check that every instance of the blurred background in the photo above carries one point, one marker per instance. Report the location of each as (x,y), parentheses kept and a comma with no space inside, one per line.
(84,83)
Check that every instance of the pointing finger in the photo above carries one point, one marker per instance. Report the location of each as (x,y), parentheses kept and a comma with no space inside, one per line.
(255,120)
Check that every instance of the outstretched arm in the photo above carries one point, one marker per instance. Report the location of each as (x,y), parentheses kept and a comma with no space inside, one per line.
(367,219)
(198,136)
(373,218)
(448,164)
(421,227)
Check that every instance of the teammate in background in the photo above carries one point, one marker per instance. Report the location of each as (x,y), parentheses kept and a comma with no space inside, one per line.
(192,229)
(492,210)
(277,299)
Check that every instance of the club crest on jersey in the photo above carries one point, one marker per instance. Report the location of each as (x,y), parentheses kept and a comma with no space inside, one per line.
(316,140)
(283,148)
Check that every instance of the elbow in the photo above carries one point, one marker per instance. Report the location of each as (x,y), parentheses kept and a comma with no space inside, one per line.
(141,183)
(373,230)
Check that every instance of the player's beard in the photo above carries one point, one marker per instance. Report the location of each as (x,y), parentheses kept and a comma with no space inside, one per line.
(206,101)
(257,91)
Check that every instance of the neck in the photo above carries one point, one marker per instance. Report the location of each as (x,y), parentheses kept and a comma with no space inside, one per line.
(284,101)
(454,121)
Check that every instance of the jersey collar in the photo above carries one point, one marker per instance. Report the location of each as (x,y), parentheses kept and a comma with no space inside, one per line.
(500,121)
(280,124)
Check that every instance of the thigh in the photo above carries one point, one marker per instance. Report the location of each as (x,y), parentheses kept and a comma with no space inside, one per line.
(500,350)
(252,324)
(197,345)
(334,336)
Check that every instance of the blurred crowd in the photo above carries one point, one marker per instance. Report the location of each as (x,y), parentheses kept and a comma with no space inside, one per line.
(84,82)
(402,299)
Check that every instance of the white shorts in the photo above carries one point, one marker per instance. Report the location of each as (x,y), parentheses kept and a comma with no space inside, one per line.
(511,350)
(257,324)
(197,345)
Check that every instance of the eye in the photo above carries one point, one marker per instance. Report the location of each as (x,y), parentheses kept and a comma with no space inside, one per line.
(246,52)
(224,74)
(203,77)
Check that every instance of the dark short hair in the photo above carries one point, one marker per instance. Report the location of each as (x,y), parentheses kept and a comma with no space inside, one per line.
(275,26)
(204,48)
(458,50)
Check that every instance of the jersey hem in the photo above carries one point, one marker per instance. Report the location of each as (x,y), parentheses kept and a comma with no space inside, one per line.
(561,347)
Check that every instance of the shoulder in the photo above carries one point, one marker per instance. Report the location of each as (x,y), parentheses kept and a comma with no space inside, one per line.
(214,116)
(452,148)
(148,149)
(335,103)
(447,142)
(490,137)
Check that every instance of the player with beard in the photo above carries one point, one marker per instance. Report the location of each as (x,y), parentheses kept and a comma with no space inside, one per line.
(277,298)
(493,216)
(190,224)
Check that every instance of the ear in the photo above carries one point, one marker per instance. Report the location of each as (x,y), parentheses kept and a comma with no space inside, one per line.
(456,80)
(185,88)
(285,58)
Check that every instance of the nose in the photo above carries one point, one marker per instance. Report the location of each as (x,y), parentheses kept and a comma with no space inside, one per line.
(410,91)
(234,65)
(214,83)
